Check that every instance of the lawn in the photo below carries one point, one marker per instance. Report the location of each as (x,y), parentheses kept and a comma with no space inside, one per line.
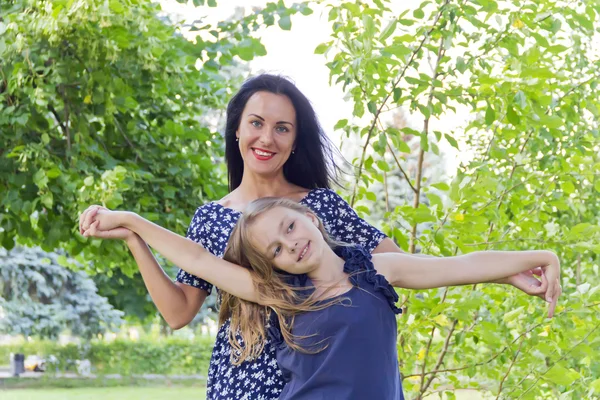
(112,393)
(135,393)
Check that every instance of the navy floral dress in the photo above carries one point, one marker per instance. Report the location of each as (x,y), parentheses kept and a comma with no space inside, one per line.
(261,378)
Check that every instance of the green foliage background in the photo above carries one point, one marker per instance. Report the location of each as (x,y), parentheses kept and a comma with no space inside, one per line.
(167,356)
(526,74)
(103,102)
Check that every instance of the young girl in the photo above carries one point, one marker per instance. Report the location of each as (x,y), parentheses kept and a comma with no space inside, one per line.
(332,307)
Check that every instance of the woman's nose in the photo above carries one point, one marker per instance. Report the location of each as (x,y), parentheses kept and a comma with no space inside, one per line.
(266,137)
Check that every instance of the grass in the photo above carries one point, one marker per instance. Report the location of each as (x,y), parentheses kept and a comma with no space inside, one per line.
(110,393)
(50,382)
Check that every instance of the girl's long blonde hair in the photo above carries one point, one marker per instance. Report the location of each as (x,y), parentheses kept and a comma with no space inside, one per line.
(248,319)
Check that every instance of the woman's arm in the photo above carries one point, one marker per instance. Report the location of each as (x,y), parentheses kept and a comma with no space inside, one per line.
(177,303)
(407,271)
(185,253)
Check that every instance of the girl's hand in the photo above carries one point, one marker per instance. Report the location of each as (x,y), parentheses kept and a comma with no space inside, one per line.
(551,274)
(100,222)
(527,282)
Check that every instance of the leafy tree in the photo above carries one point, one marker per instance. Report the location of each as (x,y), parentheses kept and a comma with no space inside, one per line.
(525,74)
(102,101)
(39,297)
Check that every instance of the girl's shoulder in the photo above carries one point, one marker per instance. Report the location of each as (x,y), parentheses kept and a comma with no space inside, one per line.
(359,266)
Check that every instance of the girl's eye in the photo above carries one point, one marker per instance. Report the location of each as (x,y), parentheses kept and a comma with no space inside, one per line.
(282,129)
(291,227)
(256,124)
(277,251)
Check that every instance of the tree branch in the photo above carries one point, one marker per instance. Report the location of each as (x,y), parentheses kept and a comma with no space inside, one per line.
(395,84)
(413,235)
(401,169)
(514,359)
(557,361)
(442,355)
(495,356)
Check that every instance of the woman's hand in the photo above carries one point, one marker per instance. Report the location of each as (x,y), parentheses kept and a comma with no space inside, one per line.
(100,222)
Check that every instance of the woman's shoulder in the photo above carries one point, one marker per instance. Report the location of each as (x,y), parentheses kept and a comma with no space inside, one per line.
(325,197)
(212,210)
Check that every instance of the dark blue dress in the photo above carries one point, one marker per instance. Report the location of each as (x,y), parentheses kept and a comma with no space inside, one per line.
(261,379)
(361,359)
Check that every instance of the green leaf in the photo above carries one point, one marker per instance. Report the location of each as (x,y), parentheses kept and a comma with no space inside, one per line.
(451,140)
(552,121)
(560,375)
(512,116)
(595,386)
(387,32)
(490,115)
(340,124)
(47,199)
(512,315)
(399,50)
(116,6)
(382,165)
(372,107)
(369,25)
(441,186)
(285,23)
(40,179)
(418,13)
(568,187)
(322,48)
(333,14)
(460,65)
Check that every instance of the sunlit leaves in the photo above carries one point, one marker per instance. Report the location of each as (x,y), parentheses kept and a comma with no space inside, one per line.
(523,77)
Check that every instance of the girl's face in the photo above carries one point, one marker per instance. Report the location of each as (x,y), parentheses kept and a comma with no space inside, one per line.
(267,132)
(290,239)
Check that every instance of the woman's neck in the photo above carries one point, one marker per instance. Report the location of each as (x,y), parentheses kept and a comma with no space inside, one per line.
(254,186)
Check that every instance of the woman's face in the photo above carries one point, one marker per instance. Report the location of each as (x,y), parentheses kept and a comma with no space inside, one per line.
(267,133)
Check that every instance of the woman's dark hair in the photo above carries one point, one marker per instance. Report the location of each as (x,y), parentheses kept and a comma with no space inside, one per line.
(312,165)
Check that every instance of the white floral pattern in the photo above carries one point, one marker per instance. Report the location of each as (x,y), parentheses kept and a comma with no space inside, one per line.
(261,378)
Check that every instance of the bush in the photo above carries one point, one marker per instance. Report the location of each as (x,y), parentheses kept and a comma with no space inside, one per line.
(167,356)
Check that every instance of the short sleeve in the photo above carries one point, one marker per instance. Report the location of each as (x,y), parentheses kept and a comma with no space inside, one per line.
(193,233)
(348,227)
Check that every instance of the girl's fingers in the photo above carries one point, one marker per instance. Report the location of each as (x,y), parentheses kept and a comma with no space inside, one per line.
(557,293)
(552,306)
(551,294)
(544,285)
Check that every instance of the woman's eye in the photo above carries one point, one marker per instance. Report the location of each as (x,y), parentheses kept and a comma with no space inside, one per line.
(282,129)
(277,251)
(291,227)
(256,124)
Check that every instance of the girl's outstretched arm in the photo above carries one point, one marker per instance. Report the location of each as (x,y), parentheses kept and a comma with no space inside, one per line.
(183,252)
(408,271)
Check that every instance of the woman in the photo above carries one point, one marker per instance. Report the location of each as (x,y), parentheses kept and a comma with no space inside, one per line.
(274,146)
(333,315)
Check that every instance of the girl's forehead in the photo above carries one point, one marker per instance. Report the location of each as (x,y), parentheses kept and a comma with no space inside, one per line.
(272,217)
